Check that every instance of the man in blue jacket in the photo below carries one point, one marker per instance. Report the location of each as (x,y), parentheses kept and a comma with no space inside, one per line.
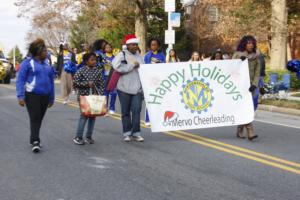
(35,88)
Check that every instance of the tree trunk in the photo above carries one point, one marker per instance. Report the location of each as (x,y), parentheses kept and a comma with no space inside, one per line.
(141,24)
(279,34)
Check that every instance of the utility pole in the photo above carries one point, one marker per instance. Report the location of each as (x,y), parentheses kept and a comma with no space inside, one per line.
(170,46)
(170,6)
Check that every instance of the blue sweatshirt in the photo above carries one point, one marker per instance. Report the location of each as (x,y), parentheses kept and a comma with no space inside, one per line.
(100,58)
(151,58)
(35,77)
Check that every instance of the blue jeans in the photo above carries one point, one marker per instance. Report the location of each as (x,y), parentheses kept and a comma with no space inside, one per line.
(112,100)
(131,106)
(113,96)
(256,95)
(81,124)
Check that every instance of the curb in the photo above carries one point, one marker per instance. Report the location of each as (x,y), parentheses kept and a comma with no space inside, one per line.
(282,110)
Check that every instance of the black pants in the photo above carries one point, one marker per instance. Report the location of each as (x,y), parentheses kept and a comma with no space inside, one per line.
(36,106)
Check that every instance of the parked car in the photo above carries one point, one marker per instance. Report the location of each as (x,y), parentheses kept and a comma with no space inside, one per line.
(6,69)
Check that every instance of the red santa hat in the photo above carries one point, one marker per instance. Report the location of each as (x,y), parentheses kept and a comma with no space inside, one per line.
(130,39)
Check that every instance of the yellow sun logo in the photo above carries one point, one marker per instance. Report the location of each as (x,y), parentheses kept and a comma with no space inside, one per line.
(197,95)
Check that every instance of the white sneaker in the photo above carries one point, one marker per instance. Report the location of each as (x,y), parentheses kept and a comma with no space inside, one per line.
(127,139)
(36,147)
(138,138)
(111,112)
(66,102)
(148,124)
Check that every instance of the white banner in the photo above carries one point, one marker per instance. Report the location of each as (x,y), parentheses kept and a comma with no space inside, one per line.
(193,95)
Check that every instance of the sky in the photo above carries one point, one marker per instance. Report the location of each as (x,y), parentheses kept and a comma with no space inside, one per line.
(13,29)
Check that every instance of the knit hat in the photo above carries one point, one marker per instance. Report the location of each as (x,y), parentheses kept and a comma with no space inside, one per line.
(130,39)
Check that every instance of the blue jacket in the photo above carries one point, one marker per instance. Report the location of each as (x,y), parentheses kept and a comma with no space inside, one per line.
(37,78)
(159,56)
(100,58)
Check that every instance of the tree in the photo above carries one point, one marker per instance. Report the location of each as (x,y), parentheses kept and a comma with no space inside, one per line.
(108,19)
(279,33)
(50,20)
(141,24)
(18,54)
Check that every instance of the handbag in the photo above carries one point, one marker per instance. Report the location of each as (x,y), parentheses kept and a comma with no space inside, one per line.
(114,76)
(113,81)
(93,105)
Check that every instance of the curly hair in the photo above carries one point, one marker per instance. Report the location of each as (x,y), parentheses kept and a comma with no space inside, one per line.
(98,44)
(87,56)
(243,43)
(37,47)
(154,39)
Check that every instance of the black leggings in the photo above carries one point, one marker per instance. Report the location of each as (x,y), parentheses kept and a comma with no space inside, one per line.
(36,106)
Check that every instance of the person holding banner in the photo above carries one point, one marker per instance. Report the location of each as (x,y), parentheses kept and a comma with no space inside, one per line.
(172,57)
(153,56)
(89,79)
(129,88)
(247,49)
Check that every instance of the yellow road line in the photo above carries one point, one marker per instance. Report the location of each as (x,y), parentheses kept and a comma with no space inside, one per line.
(236,153)
(294,164)
(260,160)
(218,145)
(240,149)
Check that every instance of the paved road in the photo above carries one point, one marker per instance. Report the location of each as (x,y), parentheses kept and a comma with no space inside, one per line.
(208,164)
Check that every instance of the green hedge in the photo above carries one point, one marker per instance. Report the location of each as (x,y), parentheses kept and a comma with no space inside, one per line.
(295,82)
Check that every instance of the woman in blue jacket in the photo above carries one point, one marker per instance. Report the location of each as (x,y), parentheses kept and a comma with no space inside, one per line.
(35,88)
(153,56)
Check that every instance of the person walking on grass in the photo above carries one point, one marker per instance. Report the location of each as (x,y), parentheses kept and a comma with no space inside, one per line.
(129,88)
(35,89)
(88,78)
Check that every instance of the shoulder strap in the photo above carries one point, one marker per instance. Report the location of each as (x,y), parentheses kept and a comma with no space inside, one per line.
(124,55)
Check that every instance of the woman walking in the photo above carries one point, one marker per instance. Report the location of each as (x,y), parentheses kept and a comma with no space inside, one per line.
(111,95)
(35,89)
(86,80)
(66,79)
(247,50)
(129,88)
